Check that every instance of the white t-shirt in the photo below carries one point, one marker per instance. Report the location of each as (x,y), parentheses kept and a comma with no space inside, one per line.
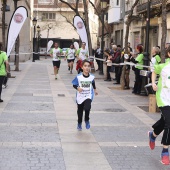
(83,54)
(86,84)
(56,54)
(70,54)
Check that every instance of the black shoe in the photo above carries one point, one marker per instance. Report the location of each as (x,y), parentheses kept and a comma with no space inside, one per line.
(116,83)
(106,80)
(114,79)
(69,68)
(109,80)
(1,100)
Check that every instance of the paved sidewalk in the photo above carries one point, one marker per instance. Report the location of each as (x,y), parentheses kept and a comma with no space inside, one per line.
(38,125)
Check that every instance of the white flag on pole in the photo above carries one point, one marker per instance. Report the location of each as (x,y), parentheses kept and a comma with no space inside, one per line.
(17,20)
(49,45)
(81,29)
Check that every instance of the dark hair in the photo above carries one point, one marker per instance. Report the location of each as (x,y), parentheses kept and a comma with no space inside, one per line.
(167,51)
(86,61)
(140,48)
(119,46)
(83,43)
(158,46)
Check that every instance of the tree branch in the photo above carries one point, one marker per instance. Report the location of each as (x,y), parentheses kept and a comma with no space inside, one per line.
(98,14)
(69,5)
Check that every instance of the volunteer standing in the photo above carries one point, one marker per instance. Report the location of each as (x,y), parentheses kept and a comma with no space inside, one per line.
(3,68)
(70,55)
(56,54)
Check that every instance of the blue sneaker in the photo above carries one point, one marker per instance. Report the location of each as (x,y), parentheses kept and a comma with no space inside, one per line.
(79,127)
(87,125)
(151,141)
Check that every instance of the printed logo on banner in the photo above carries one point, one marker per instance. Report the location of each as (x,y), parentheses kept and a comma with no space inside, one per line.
(18,18)
(80,25)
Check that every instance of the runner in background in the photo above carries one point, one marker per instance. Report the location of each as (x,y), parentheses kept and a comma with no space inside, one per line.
(163,102)
(70,55)
(55,53)
(82,54)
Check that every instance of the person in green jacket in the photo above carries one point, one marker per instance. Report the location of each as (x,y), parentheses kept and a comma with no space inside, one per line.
(138,77)
(163,102)
(3,68)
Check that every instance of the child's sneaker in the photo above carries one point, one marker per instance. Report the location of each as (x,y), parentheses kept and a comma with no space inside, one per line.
(79,127)
(151,141)
(87,125)
(165,158)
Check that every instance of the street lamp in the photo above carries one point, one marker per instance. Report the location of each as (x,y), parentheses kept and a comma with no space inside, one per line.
(48,29)
(38,41)
(34,22)
(103,7)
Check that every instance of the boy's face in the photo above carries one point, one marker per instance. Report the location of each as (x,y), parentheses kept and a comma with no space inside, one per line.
(86,67)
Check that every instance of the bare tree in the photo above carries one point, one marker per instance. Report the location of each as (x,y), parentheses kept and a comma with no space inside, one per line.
(164,30)
(130,18)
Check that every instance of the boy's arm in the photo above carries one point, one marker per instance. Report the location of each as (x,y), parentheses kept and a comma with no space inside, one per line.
(94,87)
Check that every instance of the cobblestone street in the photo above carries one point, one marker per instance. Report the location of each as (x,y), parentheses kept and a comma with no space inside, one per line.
(38,121)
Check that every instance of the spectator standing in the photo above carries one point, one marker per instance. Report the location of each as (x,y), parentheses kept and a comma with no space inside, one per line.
(97,54)
(116,59)
(108,63)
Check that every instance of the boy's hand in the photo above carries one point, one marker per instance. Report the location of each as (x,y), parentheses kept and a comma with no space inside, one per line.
(95,91)
(79,89)
(154,86)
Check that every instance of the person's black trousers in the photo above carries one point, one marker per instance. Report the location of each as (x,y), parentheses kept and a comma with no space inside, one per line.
(116,73)
(86,105)
(163,124)
(1,82)
(138,81)
(98,64)
(108,72)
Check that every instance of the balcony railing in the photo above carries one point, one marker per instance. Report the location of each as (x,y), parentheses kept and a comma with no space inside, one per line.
(143,7)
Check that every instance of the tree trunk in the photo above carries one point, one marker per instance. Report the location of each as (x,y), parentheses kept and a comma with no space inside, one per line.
(126,52)
(3,26)
(164,30)
(16,45)
(87,27)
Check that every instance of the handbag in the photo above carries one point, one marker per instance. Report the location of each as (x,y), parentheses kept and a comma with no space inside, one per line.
(133,68)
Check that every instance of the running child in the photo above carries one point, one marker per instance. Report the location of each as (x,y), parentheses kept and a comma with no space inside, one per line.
(163,102)
(84,83)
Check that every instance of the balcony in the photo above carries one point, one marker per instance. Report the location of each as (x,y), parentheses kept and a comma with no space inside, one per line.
(143,7)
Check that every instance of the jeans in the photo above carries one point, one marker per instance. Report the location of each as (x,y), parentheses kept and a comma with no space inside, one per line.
(138,81)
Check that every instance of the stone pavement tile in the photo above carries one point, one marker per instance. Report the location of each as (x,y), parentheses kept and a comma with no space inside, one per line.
(48,158)
(114,118)
(88,167)
(81,147)
(32,99)
(27,87)
(30,106)
(37,91)
(27,117)
(120,134)
(134,158)
(82,136)
(28,134)
(114,107)
(84,158)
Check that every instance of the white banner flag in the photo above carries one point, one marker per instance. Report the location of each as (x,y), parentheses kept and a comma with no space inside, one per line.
(17,20)
(49,45)
(81,29)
